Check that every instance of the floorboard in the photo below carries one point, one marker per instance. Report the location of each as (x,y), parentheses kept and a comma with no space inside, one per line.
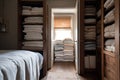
(66,71)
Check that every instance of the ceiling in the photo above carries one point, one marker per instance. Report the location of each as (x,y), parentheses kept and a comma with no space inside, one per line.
(62,3)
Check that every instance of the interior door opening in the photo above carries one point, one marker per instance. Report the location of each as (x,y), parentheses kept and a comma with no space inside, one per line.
(64,37)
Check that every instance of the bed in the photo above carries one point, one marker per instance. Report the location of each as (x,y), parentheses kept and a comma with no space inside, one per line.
(20,65)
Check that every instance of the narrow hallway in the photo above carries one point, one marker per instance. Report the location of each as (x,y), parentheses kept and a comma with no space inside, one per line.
(66,71)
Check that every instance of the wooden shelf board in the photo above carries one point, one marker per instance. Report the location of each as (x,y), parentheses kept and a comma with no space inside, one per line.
(32,48)
(32,23)
(39,15)
(109,53)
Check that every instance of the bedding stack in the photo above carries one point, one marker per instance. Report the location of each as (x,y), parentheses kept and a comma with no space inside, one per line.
(33,36)
(68,50)
(110,16)
(28,10)
(58,50)
(33,32)
(33,20)
(108,4)
(64,50)
(110,45)
(90,45)
(90,62)
(90,37)
(90,32)
(109,30)
(90,11)
(32,27)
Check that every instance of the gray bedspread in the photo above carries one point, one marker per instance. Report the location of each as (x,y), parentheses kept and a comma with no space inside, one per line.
(20,65)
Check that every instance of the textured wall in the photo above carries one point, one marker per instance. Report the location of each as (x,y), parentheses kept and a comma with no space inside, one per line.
(8,40)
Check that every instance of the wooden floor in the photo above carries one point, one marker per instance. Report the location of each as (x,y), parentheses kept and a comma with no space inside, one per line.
(66,71)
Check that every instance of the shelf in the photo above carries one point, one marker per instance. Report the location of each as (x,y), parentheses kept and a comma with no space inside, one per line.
(90,52)
(90,24)
(89,40)
(91,3)
(109,53)
(109,37)
(32,48)
(32,23)
(38,3)
(108,10)
(109,23)
(90,16)
(33,40)
(39,15)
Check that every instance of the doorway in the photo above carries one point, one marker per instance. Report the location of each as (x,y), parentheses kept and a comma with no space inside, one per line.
(64,36)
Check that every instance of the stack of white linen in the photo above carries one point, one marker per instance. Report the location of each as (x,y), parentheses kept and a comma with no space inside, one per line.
(90,45)
(108,4)
(29,10)
(90,11)
(90,62)
(109,31)
(36,11)
(33,20)
(110,45)
(90,20)
(33,32)
(68,50)
(90,32)
(26,10)
(33,43)
(58,50)
(110,16)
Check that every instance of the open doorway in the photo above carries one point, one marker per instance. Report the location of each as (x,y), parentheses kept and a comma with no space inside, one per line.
(64,36)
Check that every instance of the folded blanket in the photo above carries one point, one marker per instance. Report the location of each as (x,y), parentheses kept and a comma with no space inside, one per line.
(110,16)
(110,28)
(109,34)
(110,42)
(90,20)
(110,48)
(108,4)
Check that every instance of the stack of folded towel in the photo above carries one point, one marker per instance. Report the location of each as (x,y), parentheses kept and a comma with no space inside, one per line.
(64,50)
(58,50)
(28,10)
(33,44)
(110,16)
(68,50)
(33,32)
(108,4)
(109,31)
(89,45)
(90,32)
(110,45)
(33,20)
(90,11)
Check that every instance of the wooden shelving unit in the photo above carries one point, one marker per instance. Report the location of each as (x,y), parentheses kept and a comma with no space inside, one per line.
(89,27)
(110,57)
(32,13)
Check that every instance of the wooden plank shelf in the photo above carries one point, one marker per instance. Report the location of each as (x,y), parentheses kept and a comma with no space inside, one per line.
(32,48)
(32,23)
(109,53)
(32,15)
